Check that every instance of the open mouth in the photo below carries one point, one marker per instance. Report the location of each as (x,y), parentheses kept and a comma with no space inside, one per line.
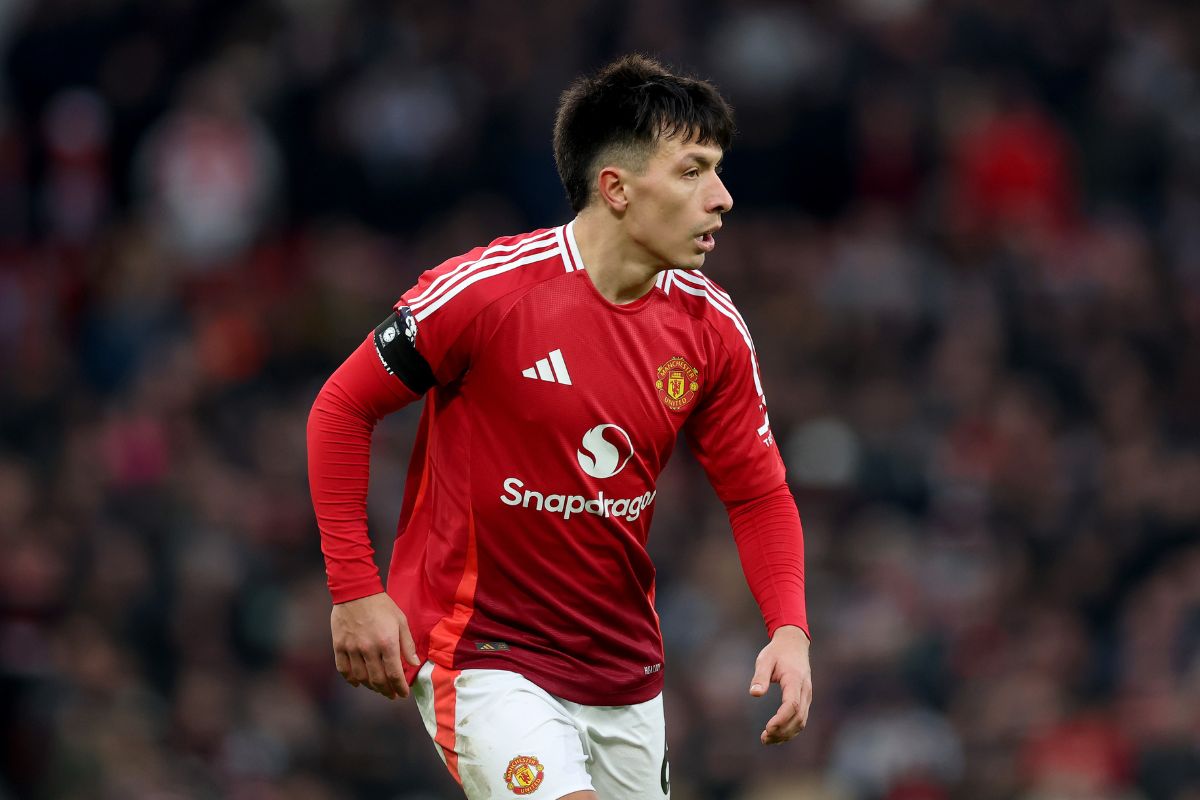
(706,241)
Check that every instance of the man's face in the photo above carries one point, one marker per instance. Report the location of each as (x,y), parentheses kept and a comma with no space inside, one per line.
(676,203)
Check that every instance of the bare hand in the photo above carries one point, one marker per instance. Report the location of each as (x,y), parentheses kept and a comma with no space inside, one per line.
(785,661)
(370,635)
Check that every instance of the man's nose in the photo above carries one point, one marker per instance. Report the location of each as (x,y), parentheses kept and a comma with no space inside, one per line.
(721,201)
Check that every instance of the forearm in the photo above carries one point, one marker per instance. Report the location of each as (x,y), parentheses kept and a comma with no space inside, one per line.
(341,422)
(770,541)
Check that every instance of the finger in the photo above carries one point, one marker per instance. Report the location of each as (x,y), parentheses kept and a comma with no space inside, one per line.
(764,665)
(341,662)
(407,646)
(358,670)
(806,696)
(377,675)
(784,725)
(792,715)
(394,671)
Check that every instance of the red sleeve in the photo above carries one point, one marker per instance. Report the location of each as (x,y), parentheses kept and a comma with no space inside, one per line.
(729,433)
(770,543)
(444,314)
(446,306)
(441,310)
(352,401)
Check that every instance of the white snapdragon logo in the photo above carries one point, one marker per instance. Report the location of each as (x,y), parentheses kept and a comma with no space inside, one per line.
(605,456)
(566,505)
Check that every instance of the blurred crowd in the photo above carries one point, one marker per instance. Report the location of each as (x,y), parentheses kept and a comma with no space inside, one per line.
(966,239)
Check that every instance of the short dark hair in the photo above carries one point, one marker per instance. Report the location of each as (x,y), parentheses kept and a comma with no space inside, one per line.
(623,110)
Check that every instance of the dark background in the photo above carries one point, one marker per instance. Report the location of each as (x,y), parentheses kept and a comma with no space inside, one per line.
(966,238)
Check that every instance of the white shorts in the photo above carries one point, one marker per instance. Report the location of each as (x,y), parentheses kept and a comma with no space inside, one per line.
(501,736)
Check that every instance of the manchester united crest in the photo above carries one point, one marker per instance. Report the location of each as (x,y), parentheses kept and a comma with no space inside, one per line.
(677,384)
(524,775)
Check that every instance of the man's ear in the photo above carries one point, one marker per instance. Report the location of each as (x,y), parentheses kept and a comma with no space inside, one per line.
(611,183)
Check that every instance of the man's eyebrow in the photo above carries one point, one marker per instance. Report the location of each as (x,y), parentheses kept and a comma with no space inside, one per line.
(702,160)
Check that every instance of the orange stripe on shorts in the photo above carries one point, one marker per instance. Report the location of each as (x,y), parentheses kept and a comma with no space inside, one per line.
(444,700)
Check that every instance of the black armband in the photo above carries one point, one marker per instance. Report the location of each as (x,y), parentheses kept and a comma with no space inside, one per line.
(396,346)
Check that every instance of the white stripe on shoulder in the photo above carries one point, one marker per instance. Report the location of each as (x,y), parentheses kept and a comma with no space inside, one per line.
(574,245)
(491,255)
(561,238)
(667,281)
(686,283)
(450,294)
(717,296)
(695,273)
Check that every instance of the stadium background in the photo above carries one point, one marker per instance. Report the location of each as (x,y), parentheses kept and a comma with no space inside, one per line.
(966,239)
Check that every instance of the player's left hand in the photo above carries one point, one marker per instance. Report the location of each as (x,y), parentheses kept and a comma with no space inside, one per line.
(785,661)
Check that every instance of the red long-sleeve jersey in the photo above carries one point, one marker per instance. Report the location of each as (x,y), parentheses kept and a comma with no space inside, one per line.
(549,414)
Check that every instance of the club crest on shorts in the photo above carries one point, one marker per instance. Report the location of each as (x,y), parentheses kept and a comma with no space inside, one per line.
(677,384)
(524,775)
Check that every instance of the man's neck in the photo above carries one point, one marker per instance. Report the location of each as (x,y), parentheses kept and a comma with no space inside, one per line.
(619,269)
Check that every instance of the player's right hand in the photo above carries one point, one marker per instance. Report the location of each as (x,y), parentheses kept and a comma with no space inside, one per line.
(370,636)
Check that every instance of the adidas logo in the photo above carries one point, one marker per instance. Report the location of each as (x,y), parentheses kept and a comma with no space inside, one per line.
(552,369)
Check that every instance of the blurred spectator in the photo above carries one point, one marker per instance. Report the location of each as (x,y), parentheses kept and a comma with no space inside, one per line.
(209,171)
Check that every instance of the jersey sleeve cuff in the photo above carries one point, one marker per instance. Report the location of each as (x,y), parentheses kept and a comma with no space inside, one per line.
(364,587)
(775,626)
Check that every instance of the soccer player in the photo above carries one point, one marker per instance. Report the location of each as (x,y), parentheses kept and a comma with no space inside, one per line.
(557,368)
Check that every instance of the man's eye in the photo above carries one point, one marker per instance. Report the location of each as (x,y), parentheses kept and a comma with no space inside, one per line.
(692,173)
